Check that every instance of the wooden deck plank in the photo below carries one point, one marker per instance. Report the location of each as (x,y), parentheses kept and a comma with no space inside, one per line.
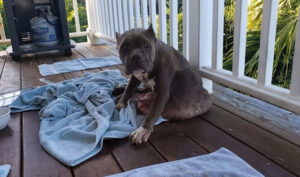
(212,138)
(35,160)
(133,156)
(101,164)
(166,143)
(275,148)
(30,74)
(10,78)
(173,144)
(10,146)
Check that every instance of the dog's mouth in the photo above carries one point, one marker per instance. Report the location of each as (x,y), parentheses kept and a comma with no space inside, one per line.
(139,74)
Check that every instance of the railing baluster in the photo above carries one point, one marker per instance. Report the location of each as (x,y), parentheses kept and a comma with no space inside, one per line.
(162,21)
(240,30)
(120,16)
(75,8)
(295,81)
(131,17)
(137,13)
(107,21)
(111,19)
(218,30)
(2,31)
(125,15)
(115,10)
(98,22)
(152,6)
(185,30)
(174,23)
(145,13)
(103,24)
(267,42)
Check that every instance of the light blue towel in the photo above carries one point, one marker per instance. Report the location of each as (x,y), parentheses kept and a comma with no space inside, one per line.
(220,163)
(4,170)
(77,65)
(77,115)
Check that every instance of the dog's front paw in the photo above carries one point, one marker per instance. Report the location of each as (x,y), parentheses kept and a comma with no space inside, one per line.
(140,135)
(120,105)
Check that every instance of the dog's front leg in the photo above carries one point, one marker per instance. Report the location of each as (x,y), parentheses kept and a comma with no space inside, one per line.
(142,134)
(133,84)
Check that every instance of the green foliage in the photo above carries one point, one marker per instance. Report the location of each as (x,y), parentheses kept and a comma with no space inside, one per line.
(284,44)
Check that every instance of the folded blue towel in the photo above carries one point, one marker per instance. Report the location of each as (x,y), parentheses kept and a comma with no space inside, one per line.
(4,170)
(220,163)
(77,115)
(77,65)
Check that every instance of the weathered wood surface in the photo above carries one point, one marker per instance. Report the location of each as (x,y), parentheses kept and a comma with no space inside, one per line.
(212,138)
(275,148)
(10,145)
(267,116)
(169,141)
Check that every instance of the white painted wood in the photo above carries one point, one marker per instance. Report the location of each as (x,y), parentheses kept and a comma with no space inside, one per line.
(162,21)
(218,30)
(239,41)
(267,42)
(115,11)
(103,19)
(272,118)
(272,94)
(193,33)
(186,25)
(78,34)
(152,9)
(111,18)
(125,15)
(107,20)
(76,16)
(131,16)
(295,81)
(205,39)
(4,41)
(174,23)
(144,14)
(100,19)
(137,13)
(120,16)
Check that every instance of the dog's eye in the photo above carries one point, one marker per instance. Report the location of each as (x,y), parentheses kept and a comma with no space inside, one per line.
(146,45)
(124,48)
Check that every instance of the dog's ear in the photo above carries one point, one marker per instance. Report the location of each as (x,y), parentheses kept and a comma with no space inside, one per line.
(117,36)
(150,32)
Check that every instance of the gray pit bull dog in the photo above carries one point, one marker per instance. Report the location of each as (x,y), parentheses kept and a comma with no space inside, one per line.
(176,89)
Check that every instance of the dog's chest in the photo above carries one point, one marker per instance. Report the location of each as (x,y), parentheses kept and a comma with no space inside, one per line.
(144,78)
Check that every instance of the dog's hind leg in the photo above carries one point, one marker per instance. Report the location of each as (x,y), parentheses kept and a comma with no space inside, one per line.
(187,97)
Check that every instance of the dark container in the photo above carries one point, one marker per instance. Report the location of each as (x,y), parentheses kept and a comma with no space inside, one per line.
(18,15)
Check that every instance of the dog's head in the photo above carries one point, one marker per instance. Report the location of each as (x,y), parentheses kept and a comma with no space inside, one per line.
(137,50)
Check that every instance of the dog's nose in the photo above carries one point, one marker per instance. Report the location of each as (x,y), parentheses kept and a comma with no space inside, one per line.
(136,58)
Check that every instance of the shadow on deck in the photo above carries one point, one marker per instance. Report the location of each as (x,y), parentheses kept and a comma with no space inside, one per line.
(19,142)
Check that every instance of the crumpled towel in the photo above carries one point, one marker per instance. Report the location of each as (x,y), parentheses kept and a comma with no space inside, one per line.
(77,115)
(4,170)
(219,163)
(77,65)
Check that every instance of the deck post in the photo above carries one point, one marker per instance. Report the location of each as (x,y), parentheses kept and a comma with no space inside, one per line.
(200,36)
(92,16)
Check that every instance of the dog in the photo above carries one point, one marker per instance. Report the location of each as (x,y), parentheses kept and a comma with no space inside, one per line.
(176,90)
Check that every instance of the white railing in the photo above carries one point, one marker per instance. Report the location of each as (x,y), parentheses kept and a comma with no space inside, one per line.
(203,23)
(77,33)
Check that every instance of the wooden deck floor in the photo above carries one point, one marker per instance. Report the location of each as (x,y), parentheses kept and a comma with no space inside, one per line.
(19,142)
